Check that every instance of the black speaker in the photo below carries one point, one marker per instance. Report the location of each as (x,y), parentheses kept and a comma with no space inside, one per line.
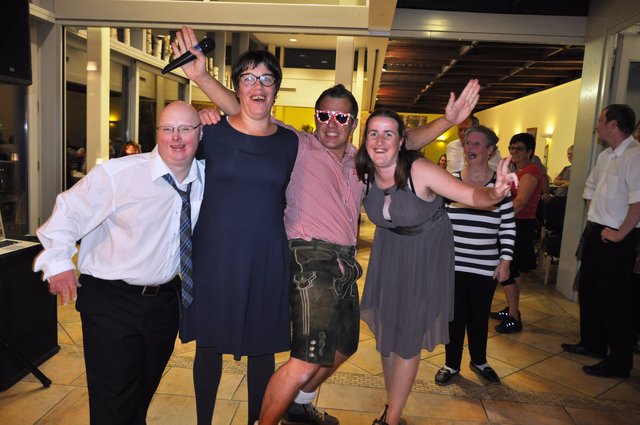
(28,316)
(15,45)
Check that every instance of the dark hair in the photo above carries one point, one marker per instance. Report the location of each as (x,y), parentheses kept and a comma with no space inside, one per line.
(623,115)
(474,120)
(253,58)
(339,92)
(365,167)
(526,138)
(490,137)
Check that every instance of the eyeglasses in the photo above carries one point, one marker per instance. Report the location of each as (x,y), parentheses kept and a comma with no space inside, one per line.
(249,80)
(183,130)
(516,148)
(340,117)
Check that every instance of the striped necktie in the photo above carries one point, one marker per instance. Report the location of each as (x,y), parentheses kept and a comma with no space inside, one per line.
(186,265)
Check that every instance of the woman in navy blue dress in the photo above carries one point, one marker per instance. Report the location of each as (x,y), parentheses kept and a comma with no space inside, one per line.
(240,251)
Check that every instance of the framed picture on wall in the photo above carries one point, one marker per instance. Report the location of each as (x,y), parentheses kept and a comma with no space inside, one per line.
(533,131)
(412,121)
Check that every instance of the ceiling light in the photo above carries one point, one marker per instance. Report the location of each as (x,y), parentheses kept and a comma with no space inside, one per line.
(293,40)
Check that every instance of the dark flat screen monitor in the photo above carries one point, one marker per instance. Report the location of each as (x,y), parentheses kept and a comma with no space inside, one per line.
(15,45)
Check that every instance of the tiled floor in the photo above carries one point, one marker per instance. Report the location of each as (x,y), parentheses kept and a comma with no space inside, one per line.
(540,383)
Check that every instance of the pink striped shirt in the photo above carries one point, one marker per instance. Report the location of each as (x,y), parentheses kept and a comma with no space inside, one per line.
(324,194)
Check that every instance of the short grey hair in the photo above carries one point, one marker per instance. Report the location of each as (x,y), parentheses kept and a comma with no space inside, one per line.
(489,135)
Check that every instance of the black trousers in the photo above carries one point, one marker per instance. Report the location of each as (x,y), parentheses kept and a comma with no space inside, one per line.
(128,339)
(606,318)
(472,304)
(635,303)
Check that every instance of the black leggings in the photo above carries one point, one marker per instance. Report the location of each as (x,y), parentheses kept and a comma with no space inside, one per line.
(207,370)
(472,304)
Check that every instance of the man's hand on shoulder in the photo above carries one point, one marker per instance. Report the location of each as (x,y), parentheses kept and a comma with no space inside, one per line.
(209,116)
(66,284)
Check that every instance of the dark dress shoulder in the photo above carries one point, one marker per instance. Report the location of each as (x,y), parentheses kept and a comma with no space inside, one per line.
(240,251)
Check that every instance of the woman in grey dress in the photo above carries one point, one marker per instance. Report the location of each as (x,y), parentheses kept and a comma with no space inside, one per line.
(408,295)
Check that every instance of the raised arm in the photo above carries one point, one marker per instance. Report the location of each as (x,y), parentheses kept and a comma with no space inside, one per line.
(197,72)
(428,177)
(457,110)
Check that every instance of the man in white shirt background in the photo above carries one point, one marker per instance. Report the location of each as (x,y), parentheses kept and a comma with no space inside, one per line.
(127,212)
(455,152)
(612,193)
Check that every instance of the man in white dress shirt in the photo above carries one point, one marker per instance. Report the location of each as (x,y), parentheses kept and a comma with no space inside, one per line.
(612,193)
(455,151)
(127,214)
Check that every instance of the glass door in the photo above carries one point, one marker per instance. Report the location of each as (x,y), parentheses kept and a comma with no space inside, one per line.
(626,76)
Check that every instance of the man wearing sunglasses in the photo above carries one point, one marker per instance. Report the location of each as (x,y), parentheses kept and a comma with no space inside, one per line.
(321,220)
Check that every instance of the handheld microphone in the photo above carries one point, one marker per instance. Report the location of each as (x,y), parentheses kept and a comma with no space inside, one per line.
(205,46)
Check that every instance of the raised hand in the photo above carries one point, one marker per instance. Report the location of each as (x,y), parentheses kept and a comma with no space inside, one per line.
(505,178)
(184,42)
(458,110)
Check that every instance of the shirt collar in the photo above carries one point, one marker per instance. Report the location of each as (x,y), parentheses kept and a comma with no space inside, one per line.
(159,169)
(622,147)
(351,151)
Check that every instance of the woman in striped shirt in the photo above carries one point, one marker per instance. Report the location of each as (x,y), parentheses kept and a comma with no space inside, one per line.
(483,239)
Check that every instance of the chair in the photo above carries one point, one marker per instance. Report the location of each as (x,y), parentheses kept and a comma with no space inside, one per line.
(552,238)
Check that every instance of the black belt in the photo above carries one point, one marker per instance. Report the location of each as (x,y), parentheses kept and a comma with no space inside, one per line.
(597,226)
(320,244)
(592,226)
(145,290)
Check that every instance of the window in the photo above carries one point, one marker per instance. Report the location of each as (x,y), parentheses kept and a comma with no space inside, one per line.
(13,160)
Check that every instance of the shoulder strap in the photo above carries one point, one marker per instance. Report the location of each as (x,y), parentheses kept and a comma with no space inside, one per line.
(411,185)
